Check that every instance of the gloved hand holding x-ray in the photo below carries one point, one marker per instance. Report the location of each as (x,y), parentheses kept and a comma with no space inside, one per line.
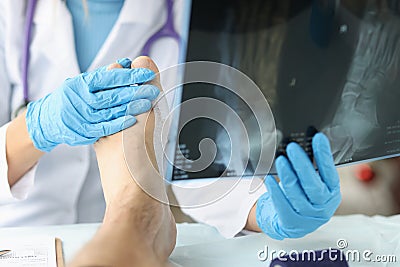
(324,66)
(303,197)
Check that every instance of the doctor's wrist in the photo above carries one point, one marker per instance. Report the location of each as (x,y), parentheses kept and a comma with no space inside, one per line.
(21,153)
(251,223)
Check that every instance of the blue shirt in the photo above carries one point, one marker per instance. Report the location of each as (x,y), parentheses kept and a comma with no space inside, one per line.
(92,29)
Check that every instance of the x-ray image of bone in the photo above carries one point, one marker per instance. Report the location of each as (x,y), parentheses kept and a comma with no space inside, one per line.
(260,133)
(261,59)
(253,41)
(375,65)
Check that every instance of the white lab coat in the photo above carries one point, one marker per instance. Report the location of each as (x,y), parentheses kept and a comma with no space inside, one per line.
(64,187)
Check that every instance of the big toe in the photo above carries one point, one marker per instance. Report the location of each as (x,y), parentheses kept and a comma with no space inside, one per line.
(148,63)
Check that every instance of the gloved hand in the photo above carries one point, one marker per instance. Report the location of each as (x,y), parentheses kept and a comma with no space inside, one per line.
(89,106)
(304,199)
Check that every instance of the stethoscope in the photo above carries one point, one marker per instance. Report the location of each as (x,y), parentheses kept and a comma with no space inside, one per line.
(166,31)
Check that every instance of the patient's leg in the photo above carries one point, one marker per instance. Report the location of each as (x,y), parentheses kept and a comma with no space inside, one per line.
(137,229)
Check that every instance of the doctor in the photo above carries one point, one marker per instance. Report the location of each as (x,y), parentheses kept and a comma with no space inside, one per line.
(63,187)
(51,178)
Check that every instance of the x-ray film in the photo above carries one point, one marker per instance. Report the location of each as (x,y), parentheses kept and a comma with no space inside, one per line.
(326,66)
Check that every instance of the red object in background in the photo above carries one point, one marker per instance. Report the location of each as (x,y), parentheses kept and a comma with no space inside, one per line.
(364,172)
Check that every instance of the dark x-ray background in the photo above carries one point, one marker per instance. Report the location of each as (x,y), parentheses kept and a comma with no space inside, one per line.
(323,65)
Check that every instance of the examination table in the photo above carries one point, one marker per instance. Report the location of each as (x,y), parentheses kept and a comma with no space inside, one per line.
(201,245)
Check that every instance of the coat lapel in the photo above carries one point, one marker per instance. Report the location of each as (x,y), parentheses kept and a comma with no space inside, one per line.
(52,46)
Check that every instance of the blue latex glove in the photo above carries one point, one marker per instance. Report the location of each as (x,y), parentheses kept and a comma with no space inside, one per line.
(90,106)
(125,62)
(304,199)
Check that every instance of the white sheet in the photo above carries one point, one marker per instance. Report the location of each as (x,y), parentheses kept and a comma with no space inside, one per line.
(201,245)
(380,235)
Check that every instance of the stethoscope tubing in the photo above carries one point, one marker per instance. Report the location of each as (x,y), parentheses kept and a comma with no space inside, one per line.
(166,31)
(26,45)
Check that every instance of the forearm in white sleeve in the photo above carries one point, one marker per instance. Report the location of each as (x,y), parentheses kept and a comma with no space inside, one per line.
(228,214)
(20,190)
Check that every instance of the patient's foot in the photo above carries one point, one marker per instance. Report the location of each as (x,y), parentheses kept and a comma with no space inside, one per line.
(133,145)
(146,223)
